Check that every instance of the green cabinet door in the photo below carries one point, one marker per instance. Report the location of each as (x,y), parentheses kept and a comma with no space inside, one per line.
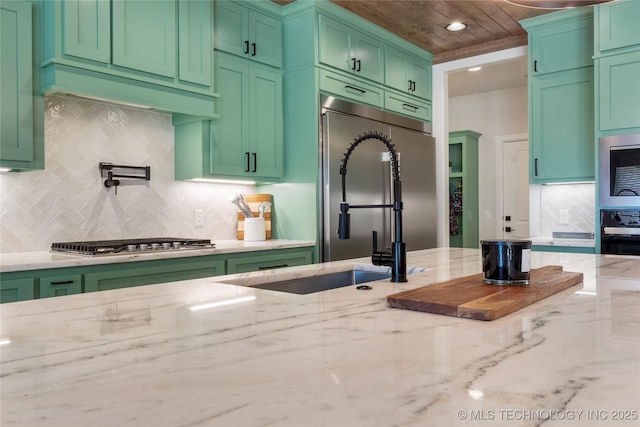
(144,35)
(561,127)
(269,260)
(560,41)
(16,83)
(618,24)
(407,73)
(349,50)
(87,29)
(195,26)
(56,286)
(247,139)
(407,105)
(14,290)
(619,90)
(248,33)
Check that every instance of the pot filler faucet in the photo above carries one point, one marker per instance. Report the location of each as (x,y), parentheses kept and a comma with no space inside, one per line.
(397,258)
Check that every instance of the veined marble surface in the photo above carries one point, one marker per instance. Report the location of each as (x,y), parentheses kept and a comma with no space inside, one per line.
(201,353)
(44,259)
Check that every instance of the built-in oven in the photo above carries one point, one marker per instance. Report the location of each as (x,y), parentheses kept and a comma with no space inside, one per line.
(620,231)
(619,177)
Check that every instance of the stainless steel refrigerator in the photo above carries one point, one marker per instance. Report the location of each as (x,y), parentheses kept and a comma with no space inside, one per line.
(369,179)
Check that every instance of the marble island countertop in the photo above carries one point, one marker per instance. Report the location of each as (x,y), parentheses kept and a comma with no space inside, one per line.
(204,353)
(38,260)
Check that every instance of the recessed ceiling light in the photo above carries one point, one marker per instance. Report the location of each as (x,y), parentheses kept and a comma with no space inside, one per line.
(475,69)
(456,26)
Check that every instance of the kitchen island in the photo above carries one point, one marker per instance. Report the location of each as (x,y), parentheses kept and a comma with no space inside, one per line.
(205,353)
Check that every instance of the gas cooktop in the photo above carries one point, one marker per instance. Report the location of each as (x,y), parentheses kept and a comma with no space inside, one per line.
(129,246)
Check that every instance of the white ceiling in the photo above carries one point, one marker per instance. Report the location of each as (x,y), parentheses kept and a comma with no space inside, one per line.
(504,75)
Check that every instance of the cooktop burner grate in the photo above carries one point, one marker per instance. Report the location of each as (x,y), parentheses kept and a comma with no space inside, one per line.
(126,246)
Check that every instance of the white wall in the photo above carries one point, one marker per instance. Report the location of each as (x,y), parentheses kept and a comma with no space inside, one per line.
(493,114)
(67,201)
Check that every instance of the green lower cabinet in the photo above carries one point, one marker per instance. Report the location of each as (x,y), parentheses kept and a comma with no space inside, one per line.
(160,271)
(14,290)
(277,259)
(57,286)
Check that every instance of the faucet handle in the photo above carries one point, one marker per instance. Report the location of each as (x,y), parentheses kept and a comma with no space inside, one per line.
(374,235)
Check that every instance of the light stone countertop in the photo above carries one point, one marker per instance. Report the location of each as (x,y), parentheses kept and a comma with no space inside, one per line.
(153,356)
(44,259)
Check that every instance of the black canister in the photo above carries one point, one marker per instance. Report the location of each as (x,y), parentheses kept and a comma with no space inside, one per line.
(506,262)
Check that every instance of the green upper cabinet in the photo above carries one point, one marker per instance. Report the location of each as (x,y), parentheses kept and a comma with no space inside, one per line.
(407,73)
(561,96)
(560,41)
(617,60)
(561,127)
(349,50)
(247,139)
(87,30)
(157,54)
(617,25)
(249,33)
(21,134)
(144,36)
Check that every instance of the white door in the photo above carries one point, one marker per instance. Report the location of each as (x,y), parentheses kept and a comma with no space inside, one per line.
(515,189)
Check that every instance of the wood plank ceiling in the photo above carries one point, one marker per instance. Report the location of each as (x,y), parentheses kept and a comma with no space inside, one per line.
(491,24)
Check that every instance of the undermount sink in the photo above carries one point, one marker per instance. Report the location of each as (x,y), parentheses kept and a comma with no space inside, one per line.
(327,281)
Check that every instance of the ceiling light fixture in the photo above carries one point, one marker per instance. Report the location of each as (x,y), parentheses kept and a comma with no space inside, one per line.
(475,69)
(555,4)
(456,26)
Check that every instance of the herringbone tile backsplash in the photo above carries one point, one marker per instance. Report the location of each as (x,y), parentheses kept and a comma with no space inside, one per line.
(67,201)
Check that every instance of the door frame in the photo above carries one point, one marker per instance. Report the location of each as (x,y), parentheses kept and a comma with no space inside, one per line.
(500,141)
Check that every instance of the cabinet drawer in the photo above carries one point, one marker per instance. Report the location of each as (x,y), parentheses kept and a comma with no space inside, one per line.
(57,286)
(407,106)
(128,275)
(347,87)
(14,290)
(270,261)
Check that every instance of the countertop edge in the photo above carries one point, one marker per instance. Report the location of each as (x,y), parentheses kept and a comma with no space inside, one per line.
(41,260)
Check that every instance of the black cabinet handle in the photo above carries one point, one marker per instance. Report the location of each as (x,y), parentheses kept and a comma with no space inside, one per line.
(353,67)
(247,167)
(359,62)
(413,88)
(535,66)
(535,167)
(64,282)
(409,106)
(355,88)
(255,162)
(409,85)
(246,46)
(270,267)
(253,47)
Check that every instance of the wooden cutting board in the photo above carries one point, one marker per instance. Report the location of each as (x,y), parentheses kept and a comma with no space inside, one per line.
(471,298)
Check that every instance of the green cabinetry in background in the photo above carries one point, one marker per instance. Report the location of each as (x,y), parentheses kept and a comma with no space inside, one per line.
(463,189)
(27,285)
(157,54)
(21,115)
(617,61)
(247,139)
(248,33)
(561,98)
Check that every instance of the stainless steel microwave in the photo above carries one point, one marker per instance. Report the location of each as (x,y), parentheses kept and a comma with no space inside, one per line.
(619,177)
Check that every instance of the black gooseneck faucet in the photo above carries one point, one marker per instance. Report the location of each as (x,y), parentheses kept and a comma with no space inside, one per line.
(397,258)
